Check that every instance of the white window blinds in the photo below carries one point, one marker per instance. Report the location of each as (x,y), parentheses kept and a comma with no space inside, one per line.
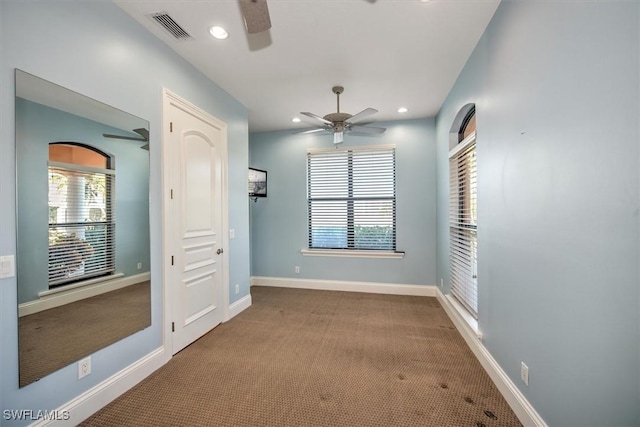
(463,223)
(81,223)
(352,198)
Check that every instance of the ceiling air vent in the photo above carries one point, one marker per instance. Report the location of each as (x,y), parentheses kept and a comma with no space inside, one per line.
(170,25)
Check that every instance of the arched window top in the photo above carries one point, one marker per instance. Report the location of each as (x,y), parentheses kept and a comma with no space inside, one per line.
(468,125)
(463,125)
(79,154)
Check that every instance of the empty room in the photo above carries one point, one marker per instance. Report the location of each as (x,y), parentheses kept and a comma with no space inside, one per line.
(320,213)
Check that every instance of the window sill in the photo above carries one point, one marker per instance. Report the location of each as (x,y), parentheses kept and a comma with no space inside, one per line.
(79,285)
(352,253)
(465,315)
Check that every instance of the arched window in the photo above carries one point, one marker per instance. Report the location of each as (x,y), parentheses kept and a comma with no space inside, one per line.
(463,212)
(81,220)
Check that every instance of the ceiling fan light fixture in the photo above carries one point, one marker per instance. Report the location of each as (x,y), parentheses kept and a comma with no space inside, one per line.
(218,32)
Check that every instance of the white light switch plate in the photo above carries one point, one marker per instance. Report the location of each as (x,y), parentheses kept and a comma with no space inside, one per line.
(232,233)
(7,266)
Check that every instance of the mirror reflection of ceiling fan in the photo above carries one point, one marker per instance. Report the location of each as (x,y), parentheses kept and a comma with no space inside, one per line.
(144,137)
(339,123)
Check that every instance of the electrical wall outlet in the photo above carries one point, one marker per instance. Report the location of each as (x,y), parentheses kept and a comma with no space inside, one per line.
(7,266)
(84,367)
(441,282)
(237,289)
(297,269)
(139,266)
(524,373)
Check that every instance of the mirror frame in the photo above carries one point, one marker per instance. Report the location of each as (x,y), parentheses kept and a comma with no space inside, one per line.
(45,315)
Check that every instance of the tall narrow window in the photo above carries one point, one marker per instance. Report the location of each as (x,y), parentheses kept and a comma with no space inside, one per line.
(81,220)
(463,253)
(352,198)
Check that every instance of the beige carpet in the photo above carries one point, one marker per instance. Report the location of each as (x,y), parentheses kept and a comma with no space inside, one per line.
(319,358)
(54,338)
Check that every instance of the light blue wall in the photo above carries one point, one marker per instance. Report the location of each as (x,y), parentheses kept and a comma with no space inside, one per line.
(556,85)
(279,222)
(97,50)
(36,127)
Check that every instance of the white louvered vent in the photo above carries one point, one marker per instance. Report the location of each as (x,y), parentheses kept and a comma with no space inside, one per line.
(170,25)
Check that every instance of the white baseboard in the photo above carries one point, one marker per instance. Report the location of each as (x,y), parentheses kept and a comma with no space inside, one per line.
(525,412)
(238,307)
(94,399)
(57,299)
(347,286)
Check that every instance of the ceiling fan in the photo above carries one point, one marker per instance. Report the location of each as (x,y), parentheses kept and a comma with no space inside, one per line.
(339,123)
(256,15)
(144,137)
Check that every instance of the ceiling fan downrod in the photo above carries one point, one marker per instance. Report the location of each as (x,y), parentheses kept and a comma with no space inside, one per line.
(338,90)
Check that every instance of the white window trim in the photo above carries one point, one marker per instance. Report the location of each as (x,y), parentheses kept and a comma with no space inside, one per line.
(314,150)
(65,288)
(463,144)
(465,315)
(352,253)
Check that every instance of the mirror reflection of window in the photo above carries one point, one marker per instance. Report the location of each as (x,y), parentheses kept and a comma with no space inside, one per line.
(81,220)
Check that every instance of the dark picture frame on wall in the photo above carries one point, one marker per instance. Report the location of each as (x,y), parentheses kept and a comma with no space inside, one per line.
(257,183)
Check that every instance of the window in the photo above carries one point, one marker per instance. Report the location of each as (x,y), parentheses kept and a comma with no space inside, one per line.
(81,220)
(351,195)
(463,252)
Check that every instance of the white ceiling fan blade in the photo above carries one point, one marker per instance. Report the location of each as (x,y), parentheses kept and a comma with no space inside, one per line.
(338,137)
(317,117)
(361,115)
(256,15)
(367,129)
(310,131)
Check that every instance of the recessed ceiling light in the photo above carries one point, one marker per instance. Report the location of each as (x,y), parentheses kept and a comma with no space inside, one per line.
(295,120)
(219,32)
(402,110)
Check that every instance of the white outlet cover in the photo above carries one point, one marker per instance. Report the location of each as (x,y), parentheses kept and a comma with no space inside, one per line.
(7,266)
(84,367)
(524,373)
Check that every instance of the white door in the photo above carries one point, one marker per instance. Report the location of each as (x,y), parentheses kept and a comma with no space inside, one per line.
(196,150)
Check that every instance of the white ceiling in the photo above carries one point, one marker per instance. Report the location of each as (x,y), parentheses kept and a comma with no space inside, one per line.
(387,53)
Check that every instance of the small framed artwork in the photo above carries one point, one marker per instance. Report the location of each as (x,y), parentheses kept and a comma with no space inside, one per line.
(257,183)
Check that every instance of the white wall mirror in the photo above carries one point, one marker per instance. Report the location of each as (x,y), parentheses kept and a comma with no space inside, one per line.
(83,261)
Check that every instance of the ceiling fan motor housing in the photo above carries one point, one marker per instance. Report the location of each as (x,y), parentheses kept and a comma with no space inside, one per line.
(338,120)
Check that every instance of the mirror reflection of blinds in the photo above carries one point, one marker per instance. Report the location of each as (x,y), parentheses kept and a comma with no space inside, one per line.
(352,198)
(463,224)
(81,223)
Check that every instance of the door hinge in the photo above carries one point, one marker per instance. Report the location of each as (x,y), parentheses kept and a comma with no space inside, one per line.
(173,326)
(172,194)
(170,126)
(171,259)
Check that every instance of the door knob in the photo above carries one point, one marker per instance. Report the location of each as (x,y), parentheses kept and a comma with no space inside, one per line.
(219,251)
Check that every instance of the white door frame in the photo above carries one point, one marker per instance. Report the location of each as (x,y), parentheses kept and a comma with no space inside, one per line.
(168,99)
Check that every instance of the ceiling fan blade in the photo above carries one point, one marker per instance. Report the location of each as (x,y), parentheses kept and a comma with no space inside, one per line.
(338,137)
(316,117)
(361,115)
(310,131)
(142,132)
(256,15)
(128,138)
(367,129)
